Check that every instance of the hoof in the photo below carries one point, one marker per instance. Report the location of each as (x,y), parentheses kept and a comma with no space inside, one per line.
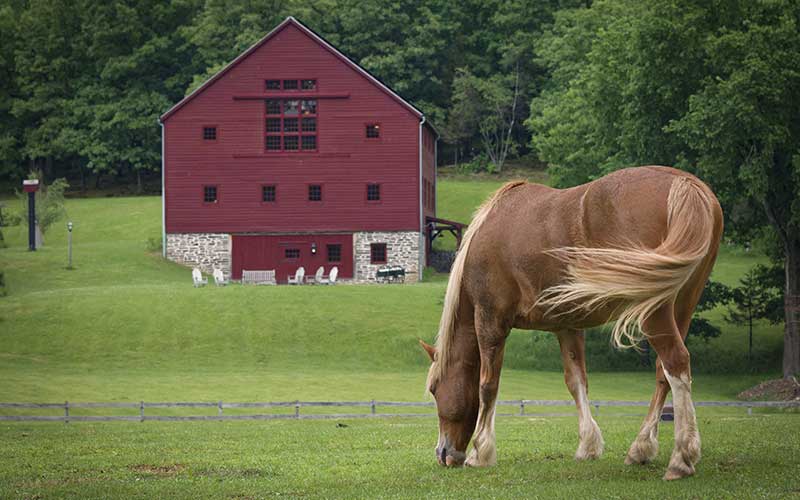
(475,460)
(642,452)
(591,451)
(678,472)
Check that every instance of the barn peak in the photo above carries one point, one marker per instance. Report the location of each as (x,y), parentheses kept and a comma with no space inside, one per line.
(291,20)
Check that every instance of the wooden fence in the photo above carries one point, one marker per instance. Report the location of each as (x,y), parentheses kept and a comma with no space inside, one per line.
(520,406)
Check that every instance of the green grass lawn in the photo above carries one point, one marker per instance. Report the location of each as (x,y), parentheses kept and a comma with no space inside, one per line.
(743,457)
(125,325)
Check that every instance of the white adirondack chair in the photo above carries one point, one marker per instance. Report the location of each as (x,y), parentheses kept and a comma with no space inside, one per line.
(298,277)
(197,278)
(219,278)
(330,280)
(319,275)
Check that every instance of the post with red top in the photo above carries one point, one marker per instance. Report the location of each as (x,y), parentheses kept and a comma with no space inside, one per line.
(31,186)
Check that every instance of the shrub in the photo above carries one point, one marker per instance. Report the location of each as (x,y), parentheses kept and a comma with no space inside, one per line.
(3,291)
(154,244)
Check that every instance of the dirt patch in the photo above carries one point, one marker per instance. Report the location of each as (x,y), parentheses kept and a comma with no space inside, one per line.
(158,470)
(781,389)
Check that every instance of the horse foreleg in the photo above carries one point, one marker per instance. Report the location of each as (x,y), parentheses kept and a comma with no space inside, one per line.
(663,333)
(573,357)
(491,342)
(645,447)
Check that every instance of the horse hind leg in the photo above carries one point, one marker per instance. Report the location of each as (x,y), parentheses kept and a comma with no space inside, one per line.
(645,447)
(664,335)
(491,343)
(573,356)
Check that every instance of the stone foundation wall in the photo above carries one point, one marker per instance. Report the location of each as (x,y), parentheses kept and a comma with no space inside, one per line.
(402,249)
(204,250)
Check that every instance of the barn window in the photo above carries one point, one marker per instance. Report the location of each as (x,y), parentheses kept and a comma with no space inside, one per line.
(268,193)
(273,124)
(309,142)
(309,124)
(290,125)
(209,194)
(373,131)
(290,142)
(308,84)
(273,106)
(210,133)
(290,85)
(285,129)
(373,192)
(273,142)
(315,192)
(335,253)
(377,253)
(309,107)
(273,84)
(292,253)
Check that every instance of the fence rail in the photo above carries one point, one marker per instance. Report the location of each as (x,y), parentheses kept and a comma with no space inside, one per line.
(373,405)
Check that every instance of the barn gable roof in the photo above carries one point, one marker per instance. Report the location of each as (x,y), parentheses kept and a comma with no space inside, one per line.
(317,38)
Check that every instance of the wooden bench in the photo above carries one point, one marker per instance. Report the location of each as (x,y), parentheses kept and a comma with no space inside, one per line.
(259,277)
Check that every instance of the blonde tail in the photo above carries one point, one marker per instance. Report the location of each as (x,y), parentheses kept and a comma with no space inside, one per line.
(451,299)
(639,279)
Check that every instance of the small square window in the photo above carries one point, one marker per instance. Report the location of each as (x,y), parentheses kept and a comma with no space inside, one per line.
(334,253)
(210,133)
(373,131)
(309,125)
(290,125)
(273,106)
(292,253)
(291,108)
(377,253)
(309,107)
(209,194)
(273,143)
(314,192)
(309,142)
(290,142)
(273,124)
(268,193)
(309,84)
(290,85)
(273,84)
(373,192)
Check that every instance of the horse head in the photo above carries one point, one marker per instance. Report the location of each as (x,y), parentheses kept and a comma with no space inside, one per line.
(456,393)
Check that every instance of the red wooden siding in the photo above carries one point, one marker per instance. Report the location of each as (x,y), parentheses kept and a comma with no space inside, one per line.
(344,163)
(269,252)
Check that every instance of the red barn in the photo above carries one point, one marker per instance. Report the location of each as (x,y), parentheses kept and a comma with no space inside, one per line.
(293,155)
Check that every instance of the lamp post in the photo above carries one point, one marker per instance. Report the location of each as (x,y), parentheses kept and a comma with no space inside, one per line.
(69,245)
(31,186)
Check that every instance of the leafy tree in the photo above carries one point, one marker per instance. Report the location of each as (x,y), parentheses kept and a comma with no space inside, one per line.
(491,104)
(711,89)
(714,294)
(758,297)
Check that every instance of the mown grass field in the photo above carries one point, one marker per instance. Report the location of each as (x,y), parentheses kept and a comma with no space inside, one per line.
(126,326)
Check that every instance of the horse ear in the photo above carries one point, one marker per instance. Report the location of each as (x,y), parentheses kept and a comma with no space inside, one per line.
(429,349)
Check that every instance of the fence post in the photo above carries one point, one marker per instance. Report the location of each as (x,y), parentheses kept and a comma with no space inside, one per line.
(749,411)
(521,407)
(66,412)
(219,408)
(596,410)
(141,411)
(372,407)
(297,409)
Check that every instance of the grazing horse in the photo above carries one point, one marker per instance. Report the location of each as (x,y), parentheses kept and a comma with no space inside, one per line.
(635,247)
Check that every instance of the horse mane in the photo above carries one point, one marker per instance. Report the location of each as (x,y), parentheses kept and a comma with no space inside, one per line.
(444,338)
(640,279)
